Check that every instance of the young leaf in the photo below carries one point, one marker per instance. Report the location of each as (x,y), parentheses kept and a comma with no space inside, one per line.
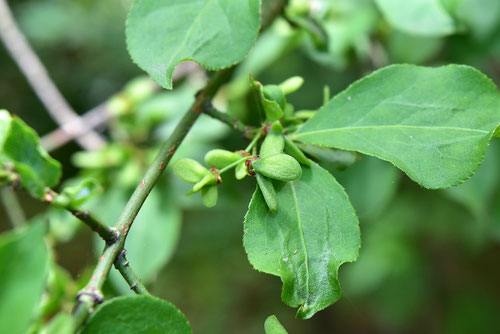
(273,326)
(433,123)
(20,146)
(78,193)
(137,314)
(314,231)
(23,267)
(214,33)
(418,17)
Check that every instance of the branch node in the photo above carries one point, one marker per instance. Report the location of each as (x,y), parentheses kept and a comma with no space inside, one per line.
(96,296)
(116,236)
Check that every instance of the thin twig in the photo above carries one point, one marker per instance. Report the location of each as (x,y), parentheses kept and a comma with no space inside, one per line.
(108,234)
(12,207)
(36,74)
(129,275)
(227,119)
(91,294)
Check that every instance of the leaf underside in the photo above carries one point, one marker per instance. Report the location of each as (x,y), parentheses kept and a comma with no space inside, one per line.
(433,123)
(214,33)
(314,231)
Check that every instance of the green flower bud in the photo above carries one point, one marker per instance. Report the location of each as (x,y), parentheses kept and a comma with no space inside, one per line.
(267,189)
(221,158)
(274,142)
(291,85)
(190,170)
(209,196)
(274,93)
(240,171)
(295,152)
(279,167)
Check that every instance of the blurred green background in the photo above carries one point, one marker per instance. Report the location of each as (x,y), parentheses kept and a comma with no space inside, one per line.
(429,259)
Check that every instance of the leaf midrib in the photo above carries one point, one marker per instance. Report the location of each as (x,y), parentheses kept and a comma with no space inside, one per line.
(302,238)
(381,127)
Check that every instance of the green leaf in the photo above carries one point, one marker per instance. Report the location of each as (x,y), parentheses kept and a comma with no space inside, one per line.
(20,146)
(497,133)
(314,231)
(273,326)
(23,266)
(418,17)
(214,33)
(137,314)
(433,123)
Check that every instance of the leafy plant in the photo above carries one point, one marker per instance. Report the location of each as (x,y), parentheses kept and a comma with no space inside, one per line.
(433,123)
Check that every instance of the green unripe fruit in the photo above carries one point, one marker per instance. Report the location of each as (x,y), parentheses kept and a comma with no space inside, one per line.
(208,179)
(268,192)
(274,93)
(240,171)
(221,158)
(274,142)
(209,196)
(295,152)
(291,85)
(280,167)
(190,170)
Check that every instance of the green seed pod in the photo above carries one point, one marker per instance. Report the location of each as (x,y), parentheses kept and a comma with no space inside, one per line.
(295,152)
(291,85)
(190,170)
(267,189)
(209,196)
(279,167)
(274,142)
(240,171)
(208,179)
(221,158)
